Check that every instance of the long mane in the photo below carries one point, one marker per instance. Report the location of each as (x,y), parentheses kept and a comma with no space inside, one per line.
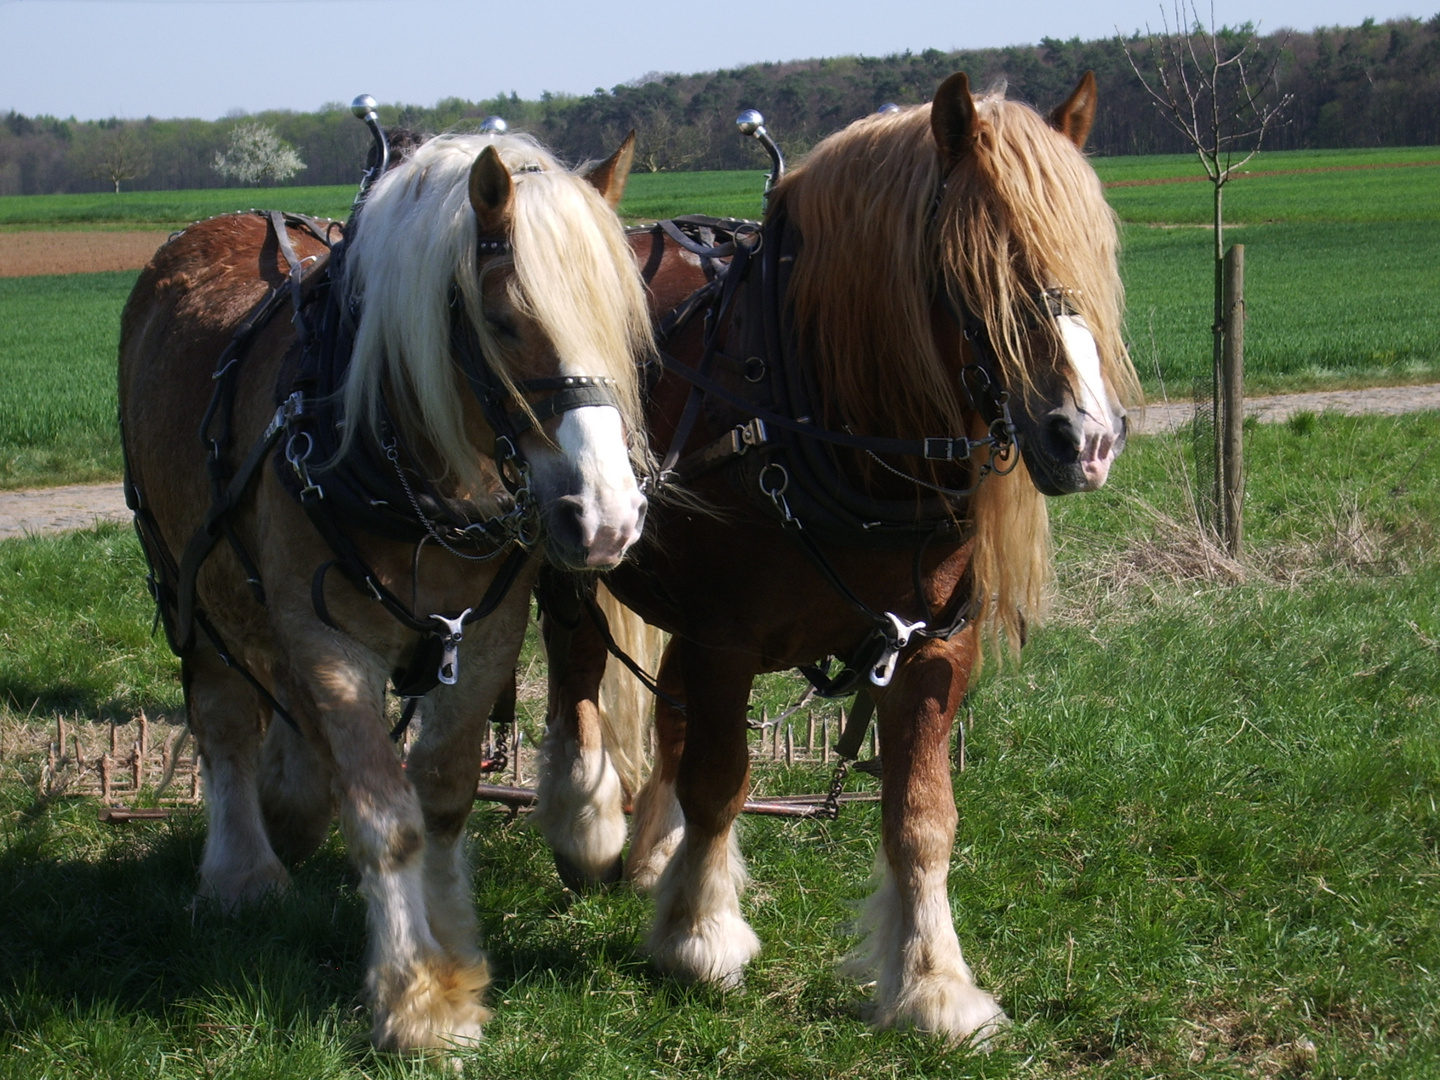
(881,238)
(572,272)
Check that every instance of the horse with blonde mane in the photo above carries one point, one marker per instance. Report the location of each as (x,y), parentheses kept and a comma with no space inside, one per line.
(923,341)
(452,387)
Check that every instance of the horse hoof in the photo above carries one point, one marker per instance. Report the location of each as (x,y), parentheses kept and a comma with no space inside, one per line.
(576,879)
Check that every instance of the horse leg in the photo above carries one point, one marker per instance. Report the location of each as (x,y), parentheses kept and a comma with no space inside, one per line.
(659,821)
(444,766)
(699,933)
(579,801)
(911,950)
(420,996)
(295,792)
(225,714)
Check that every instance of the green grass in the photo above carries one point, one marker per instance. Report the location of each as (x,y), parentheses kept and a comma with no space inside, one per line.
(58,340)
(652,196)
(1163,166)
(1378,195)
(1324,307)
(1198,833)
(167,209)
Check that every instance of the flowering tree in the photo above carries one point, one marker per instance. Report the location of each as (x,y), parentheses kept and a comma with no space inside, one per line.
(256,153)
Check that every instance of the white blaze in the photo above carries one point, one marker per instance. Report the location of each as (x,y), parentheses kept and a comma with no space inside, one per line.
(1100,428)
(612,509)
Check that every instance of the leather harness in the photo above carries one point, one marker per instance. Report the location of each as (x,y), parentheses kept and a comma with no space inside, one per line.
(761,392)
(370,489)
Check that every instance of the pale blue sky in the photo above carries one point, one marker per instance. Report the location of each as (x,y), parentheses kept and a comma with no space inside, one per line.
(133,58)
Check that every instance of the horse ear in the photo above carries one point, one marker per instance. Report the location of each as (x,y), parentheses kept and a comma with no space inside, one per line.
(952,120)
(491,191)
(610,175)
(1073,117)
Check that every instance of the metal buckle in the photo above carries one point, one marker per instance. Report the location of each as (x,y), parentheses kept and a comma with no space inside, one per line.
(450,640)
(897,639)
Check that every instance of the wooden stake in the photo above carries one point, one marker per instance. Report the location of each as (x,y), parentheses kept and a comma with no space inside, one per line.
(79,753)
(137,766)
(810,734)
(144,735)
(1233,398)
(114,739)
(60,737)
(825,738)
(105,762)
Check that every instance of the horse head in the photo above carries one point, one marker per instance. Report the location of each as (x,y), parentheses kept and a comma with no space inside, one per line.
(543,314)
(1030,253)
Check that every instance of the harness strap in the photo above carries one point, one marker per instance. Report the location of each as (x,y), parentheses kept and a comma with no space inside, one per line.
(931,448)
(602,624)
(240,669)
(856,724)
(715,318)
(204,539)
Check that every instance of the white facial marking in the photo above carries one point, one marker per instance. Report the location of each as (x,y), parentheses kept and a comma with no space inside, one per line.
(612,509)
(1100,428)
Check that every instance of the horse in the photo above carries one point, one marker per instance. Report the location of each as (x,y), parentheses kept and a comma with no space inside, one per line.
(923,343)
(452,395)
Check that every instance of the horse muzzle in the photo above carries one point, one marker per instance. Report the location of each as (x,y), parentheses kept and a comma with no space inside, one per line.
(586,533)
(1068,450)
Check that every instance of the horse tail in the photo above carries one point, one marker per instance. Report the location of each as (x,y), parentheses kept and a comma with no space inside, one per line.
(625,703)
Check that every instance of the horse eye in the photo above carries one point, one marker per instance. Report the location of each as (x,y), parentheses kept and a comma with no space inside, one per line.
(502,327)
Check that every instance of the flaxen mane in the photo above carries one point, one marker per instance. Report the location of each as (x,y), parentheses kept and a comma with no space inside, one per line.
(1023,212)
(417,235)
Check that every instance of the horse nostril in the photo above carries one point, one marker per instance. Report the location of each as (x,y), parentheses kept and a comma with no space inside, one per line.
(1062,432)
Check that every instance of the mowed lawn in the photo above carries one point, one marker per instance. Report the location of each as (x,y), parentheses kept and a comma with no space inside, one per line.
(1198,832)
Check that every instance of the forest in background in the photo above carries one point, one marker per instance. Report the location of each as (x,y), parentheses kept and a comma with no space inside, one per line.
(1377,84)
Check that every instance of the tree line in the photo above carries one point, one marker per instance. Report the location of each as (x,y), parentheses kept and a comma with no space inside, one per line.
(1376,84)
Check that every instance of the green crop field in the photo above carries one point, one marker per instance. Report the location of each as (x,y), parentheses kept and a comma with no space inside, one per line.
(1198,832)
(1340,284)
(58,337)
(165,209)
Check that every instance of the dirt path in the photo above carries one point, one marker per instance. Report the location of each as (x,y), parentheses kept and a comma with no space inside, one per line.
(53,510)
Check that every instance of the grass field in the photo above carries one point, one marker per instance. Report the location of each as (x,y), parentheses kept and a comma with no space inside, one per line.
(1198,836)
(1340,285)
(58,337)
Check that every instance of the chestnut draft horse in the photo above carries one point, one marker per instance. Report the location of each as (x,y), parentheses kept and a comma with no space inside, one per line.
(930,288)
(453,381)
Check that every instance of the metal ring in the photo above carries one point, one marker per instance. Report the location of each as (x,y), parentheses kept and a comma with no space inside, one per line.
(775,492)
(297,460)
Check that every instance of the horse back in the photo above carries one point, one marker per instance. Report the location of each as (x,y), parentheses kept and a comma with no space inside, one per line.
(182,313)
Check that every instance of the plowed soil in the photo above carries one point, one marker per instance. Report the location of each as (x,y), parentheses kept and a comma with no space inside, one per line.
(54,252)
